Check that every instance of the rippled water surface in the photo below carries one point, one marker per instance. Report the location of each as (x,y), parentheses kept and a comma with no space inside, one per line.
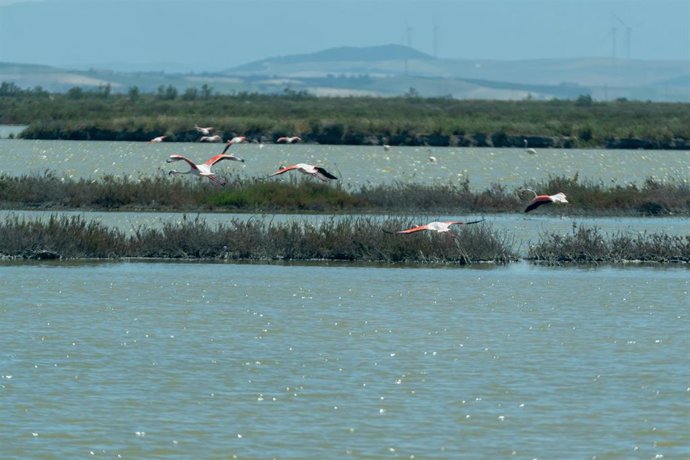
(150,360)
(355,166)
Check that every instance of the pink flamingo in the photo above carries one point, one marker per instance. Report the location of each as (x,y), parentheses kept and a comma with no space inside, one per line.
(539,200)
(214,138)
(203,169)
(437,226)
(157,139)
(316,171)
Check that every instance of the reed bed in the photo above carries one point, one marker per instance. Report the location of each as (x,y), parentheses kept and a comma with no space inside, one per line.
(359,239)
(589,245)
(162,193)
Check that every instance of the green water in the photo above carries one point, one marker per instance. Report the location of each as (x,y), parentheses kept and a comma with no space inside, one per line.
(192,360)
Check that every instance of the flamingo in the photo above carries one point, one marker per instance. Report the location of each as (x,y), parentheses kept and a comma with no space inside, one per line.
(234,140)
(157,139)
(539,200)
(214,138)
(437,226)
(203,169)
(316,171)
(289,140)
(204,131)
(529,150)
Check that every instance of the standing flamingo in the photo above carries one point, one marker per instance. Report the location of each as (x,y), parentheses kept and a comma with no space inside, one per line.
(539,200)
(203,169)
(157,139)
(437,226)
(316,171)
(529,150)
(289,140)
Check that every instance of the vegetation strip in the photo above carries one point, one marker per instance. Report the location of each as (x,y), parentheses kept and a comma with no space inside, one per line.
(356,239)
(162,193)
(408,120)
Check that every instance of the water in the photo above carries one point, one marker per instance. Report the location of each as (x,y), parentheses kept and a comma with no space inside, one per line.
(175,360)
(214,360)
(355,166)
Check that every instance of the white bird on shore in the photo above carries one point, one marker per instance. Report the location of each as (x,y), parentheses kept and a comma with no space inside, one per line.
(203,169)
(288,140)
(157,139)
(437,226)
(316,171)
(539,200)
(529,150)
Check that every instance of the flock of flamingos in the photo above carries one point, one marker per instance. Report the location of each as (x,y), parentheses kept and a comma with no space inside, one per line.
(204,170)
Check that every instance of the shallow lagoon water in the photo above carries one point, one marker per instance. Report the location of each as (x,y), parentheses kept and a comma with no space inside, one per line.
(217,360)
(354,165)
(143,360)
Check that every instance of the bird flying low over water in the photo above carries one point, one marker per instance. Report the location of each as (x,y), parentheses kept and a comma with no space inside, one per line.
(436,226)
(203,169)
(214,138)
(204,131)
(316,171)
(539,200)
(237,140)
(289,140)
(157,139)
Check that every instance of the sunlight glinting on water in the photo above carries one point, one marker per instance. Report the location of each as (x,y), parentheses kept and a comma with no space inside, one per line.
(355,166)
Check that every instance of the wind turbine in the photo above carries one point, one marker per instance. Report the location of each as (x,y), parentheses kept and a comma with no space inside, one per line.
(628,33)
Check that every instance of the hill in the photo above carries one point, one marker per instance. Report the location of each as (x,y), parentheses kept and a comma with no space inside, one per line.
(394,70)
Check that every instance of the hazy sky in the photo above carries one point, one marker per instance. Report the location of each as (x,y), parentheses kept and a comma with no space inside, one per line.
(208,35)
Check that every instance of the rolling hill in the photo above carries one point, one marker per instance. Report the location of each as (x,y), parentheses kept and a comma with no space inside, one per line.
(394,70)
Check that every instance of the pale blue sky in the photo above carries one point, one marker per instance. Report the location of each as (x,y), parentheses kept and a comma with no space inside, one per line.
(207,35)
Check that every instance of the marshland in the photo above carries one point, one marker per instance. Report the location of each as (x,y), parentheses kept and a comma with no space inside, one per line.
(247,320)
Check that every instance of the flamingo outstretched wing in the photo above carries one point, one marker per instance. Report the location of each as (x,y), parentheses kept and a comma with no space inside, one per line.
(176,157)
(322,174)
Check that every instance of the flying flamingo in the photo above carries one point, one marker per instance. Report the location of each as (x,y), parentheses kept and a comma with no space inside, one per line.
(203,169)
(439,227)
(234,140)
(529,150)
(204,131)
(214,138)
(539,200)
(289,140)
(316,171)
(157,139)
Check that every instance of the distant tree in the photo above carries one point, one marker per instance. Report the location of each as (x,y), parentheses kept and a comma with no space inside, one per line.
(8,88)
(583,100)
(75,93)
(206,91)
(169,92)
(411,92)
(133,93)
(104,90)
(190,94)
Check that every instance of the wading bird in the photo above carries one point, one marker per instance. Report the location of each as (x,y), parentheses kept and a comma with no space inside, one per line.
(439,227)
(237,140)
(529,150)
(289,140)
(539,200)
(203,169)
(157,139)
(316,171)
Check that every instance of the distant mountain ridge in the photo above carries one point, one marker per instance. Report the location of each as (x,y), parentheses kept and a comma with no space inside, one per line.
(394,70)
